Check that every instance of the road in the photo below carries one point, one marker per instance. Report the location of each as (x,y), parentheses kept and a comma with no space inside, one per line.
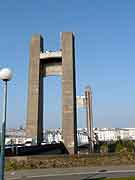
(72,173)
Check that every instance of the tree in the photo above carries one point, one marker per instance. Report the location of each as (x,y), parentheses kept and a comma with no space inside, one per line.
(104,148)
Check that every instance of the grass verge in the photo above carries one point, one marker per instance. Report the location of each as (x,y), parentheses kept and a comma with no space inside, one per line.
(31,162)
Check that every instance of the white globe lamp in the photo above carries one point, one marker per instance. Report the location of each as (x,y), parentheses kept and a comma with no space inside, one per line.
(5,74)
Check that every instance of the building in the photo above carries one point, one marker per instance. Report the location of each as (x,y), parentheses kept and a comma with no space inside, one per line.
(114,134)
(18,136)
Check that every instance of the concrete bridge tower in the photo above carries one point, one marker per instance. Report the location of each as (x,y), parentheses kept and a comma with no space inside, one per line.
(43,64)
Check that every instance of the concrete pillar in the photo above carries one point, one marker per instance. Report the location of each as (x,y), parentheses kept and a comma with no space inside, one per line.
(34,126)
(69,121)
(89,117)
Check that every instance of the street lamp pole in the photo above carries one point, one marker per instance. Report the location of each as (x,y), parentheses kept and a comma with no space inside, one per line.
(5,75)
(3,131)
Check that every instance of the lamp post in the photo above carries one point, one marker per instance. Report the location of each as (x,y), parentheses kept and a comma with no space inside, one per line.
(5,75)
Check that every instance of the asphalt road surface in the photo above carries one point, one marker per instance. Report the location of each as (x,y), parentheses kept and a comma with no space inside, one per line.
(71,174)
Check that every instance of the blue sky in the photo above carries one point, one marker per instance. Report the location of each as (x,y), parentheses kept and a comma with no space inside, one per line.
(105,56)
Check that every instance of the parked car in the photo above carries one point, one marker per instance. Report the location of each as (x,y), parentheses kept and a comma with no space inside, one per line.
(28,143)
(43,143)
(53,142)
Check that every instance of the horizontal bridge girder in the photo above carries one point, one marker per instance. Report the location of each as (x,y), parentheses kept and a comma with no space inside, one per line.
(52,69)
(49,54)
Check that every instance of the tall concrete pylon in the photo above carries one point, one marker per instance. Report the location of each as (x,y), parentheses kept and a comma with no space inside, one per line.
(44,64)
(89,117)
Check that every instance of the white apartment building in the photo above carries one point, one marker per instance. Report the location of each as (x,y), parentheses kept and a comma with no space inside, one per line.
(54,135)
(114,134)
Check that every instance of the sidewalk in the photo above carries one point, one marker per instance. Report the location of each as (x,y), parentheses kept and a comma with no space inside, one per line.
(62,171)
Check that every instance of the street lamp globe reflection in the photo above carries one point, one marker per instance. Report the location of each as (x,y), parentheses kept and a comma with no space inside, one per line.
(5,74)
